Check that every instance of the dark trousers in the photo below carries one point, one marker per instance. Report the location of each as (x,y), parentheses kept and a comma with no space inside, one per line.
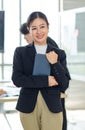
(64,115)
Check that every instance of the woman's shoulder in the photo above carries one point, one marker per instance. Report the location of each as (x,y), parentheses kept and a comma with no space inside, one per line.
(53,48)
(22,48)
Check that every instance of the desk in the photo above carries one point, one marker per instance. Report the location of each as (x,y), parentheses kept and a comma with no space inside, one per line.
(4,100)
(8,99)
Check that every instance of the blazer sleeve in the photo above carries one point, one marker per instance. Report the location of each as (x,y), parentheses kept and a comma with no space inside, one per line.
(60,72)
(20,79)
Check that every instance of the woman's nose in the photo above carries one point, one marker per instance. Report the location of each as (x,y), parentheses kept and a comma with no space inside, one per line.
(38,30)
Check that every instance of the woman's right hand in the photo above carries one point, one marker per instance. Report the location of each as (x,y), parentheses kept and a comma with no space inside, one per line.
(52,81)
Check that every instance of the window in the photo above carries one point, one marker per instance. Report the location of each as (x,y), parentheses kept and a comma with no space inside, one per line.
(73,39)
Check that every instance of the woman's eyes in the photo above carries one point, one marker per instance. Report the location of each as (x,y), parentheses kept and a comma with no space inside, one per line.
(42,27)
(35,28)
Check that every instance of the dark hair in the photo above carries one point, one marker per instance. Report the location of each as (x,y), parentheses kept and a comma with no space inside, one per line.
(35,15)
(23,29)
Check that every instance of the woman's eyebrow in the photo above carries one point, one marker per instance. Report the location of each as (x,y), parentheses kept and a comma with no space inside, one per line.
(38,25)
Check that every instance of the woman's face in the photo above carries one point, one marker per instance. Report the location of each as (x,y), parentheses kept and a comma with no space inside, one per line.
(39,31)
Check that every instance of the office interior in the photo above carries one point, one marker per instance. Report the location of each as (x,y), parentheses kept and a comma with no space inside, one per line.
(67,28)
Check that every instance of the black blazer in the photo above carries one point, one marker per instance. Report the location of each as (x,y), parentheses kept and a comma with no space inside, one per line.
(23,63)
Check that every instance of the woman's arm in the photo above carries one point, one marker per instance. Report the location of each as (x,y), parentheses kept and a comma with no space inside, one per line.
(59,69)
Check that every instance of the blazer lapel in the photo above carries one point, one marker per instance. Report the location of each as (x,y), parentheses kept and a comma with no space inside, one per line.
(32,51)
(49,48)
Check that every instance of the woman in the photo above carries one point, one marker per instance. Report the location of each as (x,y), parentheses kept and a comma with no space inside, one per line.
(39,101)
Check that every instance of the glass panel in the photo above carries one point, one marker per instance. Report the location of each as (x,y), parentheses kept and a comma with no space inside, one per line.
(11,8)
(0,58)
(0,4)
(73,4)
(73,41)
(7,73)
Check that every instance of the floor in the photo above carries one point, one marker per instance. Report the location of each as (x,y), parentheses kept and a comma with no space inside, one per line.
(76,119)
(14,122)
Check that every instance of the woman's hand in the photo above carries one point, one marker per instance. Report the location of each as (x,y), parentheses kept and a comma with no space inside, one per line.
(52,81)
(52,57)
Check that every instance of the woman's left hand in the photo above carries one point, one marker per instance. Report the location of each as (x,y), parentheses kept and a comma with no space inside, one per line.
(52,57)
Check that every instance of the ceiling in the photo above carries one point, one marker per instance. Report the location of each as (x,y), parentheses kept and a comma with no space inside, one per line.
(71,4)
